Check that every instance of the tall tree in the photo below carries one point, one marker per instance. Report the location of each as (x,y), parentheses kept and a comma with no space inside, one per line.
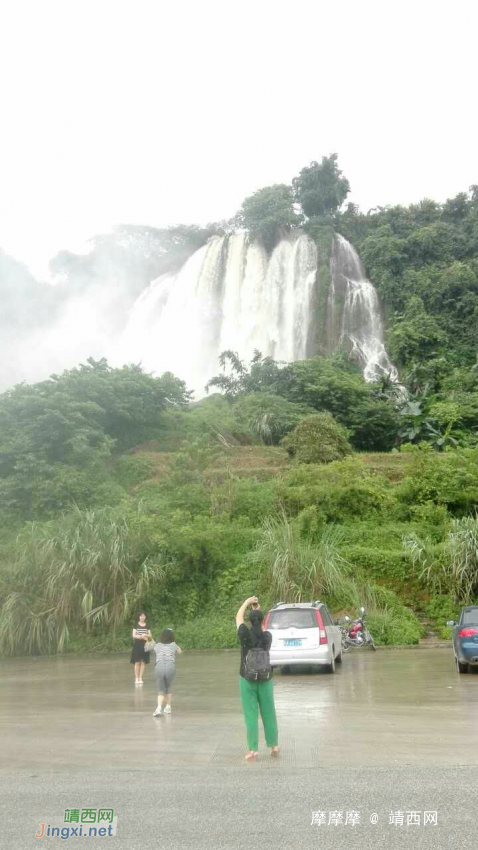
(321,188)
(268,214)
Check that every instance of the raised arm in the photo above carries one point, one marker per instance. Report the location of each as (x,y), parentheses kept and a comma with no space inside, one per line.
(242,610)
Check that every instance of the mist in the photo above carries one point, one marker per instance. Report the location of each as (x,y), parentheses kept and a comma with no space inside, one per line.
(49,326)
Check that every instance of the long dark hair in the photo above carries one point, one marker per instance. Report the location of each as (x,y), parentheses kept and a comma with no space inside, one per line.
(139,615)
(167,636)
(256,618)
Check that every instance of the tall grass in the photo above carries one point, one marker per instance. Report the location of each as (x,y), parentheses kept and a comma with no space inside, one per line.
(91,568)
(462,545)
(296,568)
(451,567)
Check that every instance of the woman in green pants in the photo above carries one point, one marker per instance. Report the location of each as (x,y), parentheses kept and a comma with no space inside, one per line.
(256,696)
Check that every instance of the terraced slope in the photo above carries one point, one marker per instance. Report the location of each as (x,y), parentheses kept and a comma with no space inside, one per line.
(262,462)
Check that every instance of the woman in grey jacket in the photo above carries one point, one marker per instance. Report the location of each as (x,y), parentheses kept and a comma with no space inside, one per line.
(166,651)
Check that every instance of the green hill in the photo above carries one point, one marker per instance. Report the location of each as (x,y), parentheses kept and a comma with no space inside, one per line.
(297,480)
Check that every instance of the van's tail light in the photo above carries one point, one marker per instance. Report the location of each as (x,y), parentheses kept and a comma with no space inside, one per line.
(468,632)
(322,632)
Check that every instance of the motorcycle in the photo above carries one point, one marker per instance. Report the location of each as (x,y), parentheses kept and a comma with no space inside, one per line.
(356,634)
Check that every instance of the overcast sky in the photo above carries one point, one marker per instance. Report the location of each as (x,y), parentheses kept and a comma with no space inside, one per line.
(164,111)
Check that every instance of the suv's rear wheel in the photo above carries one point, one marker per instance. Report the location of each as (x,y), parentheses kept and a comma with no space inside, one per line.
(461,668)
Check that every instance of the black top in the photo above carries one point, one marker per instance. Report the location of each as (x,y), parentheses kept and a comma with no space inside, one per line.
(248,641)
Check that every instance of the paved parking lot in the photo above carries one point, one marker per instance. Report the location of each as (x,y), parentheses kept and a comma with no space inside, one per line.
(391,731)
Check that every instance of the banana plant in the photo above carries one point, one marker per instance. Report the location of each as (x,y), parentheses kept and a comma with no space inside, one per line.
(414,410)
(440,439)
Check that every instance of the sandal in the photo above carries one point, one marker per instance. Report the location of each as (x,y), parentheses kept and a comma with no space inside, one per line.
(252,755)
(275,751)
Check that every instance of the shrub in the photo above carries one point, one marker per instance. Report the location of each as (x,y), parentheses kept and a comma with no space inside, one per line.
(388,619)
(339,491)
(238,583)
(311,523)
(318,439)
(214,417)
(109,494)
(199,552)
(269,417)
(390,627)
(211,420)
(251,499)
(374,425)
(208,633)
(133,469)
(360,499)
(373,535)
(441,609)
(430,514)
(380,563)
(336,474)
(447,478)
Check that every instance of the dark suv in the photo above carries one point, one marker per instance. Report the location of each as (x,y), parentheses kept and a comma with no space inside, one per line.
(465,638)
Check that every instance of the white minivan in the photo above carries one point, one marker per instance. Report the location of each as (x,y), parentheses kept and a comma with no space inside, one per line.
(303,633)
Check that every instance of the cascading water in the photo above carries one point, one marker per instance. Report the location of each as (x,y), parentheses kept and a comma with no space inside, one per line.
(232,295)
(354,321)
(174,323)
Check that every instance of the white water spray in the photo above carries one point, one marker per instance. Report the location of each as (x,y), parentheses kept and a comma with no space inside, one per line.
(231,295)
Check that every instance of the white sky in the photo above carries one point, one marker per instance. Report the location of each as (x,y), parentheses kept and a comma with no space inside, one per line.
(165,111)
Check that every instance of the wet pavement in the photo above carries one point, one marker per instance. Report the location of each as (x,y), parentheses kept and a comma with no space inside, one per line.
(389,707)
(390,731)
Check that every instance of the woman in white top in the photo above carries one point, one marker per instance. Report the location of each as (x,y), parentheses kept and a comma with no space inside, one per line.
(166,651)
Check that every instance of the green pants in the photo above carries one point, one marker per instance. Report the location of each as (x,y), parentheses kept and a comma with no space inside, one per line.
(255,696)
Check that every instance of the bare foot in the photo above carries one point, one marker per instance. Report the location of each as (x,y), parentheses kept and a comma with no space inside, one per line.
(275,751)
(252,754)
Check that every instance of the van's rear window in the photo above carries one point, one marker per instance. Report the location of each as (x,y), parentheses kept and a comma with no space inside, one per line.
(296,618)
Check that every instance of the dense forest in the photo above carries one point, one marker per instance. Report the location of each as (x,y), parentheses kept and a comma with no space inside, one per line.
(289,480)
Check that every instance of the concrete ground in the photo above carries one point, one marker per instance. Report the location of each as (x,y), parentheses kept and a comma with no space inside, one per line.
(390,732)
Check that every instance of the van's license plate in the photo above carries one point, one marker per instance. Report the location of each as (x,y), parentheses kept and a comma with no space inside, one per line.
(293,643)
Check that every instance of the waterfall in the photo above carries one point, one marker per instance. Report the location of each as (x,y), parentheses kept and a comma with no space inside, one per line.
(354,321)
(231,294)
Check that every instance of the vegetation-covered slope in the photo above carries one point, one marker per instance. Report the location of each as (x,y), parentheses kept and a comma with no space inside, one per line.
(115,492)
(298,480)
